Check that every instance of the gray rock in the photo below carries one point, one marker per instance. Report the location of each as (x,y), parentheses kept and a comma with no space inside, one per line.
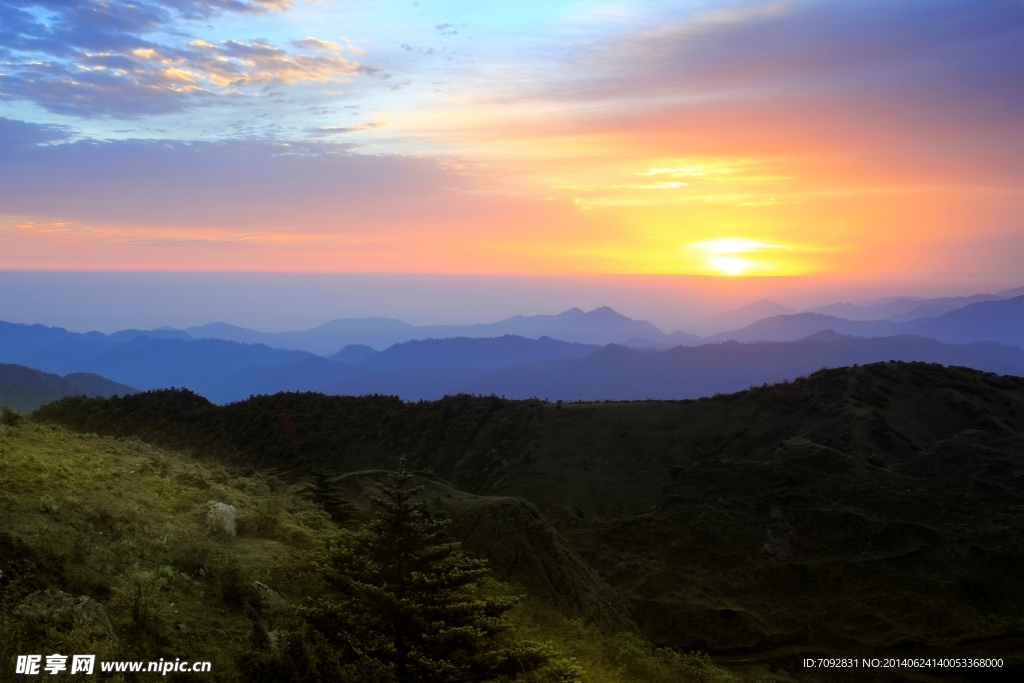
(269,598)
(59,609)
(221,517)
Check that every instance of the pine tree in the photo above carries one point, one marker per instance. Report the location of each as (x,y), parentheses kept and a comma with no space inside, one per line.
(410,602)
(325,492)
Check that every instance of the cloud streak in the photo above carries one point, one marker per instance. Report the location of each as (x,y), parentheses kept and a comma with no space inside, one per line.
(128,59)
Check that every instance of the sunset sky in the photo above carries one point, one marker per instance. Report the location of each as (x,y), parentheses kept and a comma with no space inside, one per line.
(850,141)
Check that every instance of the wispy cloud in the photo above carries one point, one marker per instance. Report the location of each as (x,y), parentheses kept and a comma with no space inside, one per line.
(128,59)
(341,130)
(15,133)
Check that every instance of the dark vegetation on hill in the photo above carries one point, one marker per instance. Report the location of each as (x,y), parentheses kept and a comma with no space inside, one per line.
(877,508)
(25,389)
(460,435)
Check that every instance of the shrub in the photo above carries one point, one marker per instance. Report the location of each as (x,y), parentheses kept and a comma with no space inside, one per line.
(138,593)
(193,553)
(9,417)
(235,588)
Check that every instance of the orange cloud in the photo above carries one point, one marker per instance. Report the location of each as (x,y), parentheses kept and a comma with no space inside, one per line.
(233,64)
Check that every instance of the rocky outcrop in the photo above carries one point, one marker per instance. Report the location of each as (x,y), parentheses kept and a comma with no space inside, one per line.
(269,598)
(64,611)
(222,517)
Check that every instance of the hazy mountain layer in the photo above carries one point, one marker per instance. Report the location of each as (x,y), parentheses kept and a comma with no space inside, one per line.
(600,326)
(1000,321)
(429,370)
(510,366)
(416,369)
(145,360)
(619,373)
(740,317)
(25,389)
(802,325)
(903,309)
(202,364)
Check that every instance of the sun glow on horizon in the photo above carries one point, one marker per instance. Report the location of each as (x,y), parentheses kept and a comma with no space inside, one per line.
(730,265)
(735,245)
(721,256)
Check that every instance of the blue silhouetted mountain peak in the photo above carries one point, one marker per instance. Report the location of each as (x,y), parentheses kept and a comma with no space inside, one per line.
(827,335)
(484,353)
(353,353)
(606,312)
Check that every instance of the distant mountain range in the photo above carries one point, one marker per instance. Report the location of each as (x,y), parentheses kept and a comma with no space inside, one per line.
(740,317)
(644,362)
(616,372)
(600,326)
(25,389)
(138,359)
(892,309)
(902,309)
(1000,321)
(604,326)
(416,369)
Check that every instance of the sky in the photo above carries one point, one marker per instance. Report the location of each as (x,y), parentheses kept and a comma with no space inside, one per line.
(797,146)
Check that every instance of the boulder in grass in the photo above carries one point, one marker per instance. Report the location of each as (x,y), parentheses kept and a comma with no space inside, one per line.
(62,610)
(222,517)
(269,598)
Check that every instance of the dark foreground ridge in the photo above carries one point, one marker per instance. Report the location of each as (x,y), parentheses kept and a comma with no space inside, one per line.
(868,509)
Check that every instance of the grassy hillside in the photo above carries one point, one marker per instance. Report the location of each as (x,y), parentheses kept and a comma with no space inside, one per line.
(867,510)
(124,523)
(25,389)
